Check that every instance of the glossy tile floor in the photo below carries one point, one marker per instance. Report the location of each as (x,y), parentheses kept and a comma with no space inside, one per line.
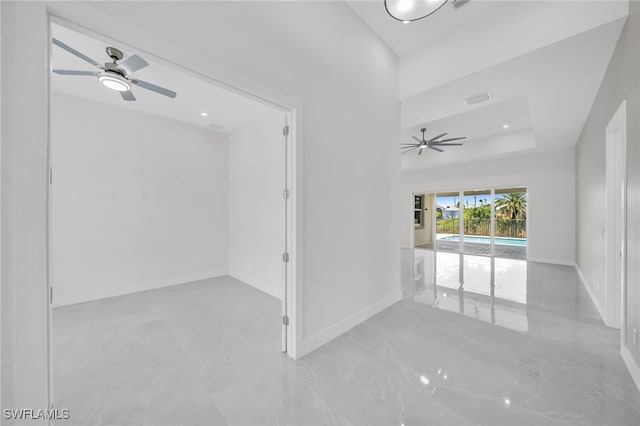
(515,344)
(500,250)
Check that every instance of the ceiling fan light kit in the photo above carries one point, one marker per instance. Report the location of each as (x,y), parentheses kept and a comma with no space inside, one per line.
(435,143)
(114,82)
(412,10)
(115,76)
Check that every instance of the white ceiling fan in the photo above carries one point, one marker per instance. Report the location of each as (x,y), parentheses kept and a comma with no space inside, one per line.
(114,75)
(433,143)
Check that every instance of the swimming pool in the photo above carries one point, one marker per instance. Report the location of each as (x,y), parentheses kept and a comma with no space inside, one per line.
(520,242)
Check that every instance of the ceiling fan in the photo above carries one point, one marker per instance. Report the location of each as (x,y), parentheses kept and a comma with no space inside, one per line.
(114,75)
(433,143)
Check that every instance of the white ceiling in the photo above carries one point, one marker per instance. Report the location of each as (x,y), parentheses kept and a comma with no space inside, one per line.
(478,123)
(550,91)
(406,38)
(226,110)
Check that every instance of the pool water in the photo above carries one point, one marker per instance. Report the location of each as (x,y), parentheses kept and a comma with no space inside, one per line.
(521,242)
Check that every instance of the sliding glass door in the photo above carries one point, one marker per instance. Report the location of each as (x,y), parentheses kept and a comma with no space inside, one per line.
(485,222)
(447,211)
(511,223)
(477,222)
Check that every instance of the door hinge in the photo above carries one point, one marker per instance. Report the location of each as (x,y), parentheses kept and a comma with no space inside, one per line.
(285,130)
(50,176)
(285,320)
(285,257)
(51,295)
(285,194)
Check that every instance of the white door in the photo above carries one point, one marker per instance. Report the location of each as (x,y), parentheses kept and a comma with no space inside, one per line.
(615,249)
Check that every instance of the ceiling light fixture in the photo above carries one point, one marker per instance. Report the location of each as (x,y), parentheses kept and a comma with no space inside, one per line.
(412,10)
(204,114)
(114,81)
(506,126)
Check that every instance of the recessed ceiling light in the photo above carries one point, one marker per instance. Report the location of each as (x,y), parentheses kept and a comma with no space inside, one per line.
(506,126)
(406,22)
(204,114)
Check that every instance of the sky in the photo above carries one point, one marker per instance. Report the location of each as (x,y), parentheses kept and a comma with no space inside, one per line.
(470,200)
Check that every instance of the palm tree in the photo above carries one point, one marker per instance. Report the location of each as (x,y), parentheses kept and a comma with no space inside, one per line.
(513,206)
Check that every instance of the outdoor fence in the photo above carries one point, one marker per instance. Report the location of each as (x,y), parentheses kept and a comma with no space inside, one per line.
(509,228)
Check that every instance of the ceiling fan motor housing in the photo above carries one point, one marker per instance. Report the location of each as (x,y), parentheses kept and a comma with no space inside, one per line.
(112,67)
(115,54)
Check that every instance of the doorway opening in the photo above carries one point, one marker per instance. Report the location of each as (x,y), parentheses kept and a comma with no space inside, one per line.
(172,230)
(615,229)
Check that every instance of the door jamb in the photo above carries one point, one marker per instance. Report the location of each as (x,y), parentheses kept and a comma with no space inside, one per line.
(616,316)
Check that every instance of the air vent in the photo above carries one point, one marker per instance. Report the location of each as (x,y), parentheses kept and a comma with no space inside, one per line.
(483,97)
(459,3)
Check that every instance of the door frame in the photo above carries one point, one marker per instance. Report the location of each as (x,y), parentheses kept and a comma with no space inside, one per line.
(616,220)
(33,348)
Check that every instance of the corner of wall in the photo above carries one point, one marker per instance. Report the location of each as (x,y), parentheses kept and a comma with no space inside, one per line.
(632,366)
(312,343)
(592,294)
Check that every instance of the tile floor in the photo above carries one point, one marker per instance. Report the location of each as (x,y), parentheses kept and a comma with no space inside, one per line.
(500,250)
(515,344)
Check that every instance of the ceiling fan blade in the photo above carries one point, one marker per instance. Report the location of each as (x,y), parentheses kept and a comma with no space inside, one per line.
(409,150)
(133,63)
(436,149)
(128,95)
(416,139)
(421,151)
(74,52)
(448,144)
(74,72)
(450,140)
(437,137)
(154,88)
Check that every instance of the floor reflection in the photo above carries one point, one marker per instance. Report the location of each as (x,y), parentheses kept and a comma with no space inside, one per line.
(489,289)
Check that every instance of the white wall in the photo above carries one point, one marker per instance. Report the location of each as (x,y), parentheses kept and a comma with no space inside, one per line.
(256,207)
(24,207)
(550,181)
(620,83)
(347,81)
(137,202)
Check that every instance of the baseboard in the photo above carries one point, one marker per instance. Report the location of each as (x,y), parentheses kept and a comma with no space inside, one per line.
(592,295)
(253,282)
(551,261)
(632,366)
(325,336)
(64,300)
